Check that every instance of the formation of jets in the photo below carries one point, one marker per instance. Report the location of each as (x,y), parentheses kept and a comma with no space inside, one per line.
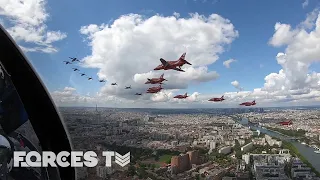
(216,99)
(74,59)
(165,65)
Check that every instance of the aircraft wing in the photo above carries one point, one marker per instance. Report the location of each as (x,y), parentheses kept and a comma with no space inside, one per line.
(164,62)
(177,69)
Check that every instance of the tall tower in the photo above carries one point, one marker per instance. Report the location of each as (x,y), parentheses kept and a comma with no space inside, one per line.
(98,114)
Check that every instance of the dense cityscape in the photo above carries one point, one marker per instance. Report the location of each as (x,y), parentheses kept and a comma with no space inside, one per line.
(199,143)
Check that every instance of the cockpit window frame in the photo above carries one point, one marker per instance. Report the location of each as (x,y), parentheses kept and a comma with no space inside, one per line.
(51,129)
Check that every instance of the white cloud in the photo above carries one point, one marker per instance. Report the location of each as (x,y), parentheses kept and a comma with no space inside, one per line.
(236,84)
(228,62)
(69,97)
(177,15)
(294,82)
(301,51)
(26,24)
(128,50)
(305,3)
(308,23)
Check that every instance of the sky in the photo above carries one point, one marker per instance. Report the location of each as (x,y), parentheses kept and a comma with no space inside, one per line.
(245,50)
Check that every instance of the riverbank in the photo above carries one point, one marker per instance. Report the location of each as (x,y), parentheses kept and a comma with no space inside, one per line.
(295,152)
(290,133)
(306,153)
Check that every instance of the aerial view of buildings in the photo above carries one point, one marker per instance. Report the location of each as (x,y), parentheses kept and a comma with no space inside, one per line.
(211,144)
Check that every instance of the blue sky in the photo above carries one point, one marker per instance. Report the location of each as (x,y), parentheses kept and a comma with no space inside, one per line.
(254,21)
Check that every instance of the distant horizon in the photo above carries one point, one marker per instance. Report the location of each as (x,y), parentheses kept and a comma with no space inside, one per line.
(306,106)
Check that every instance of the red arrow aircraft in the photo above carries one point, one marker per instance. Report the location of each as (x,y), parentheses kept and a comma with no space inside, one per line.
(217,99)
(156,80)
(174,65)
(248,103)
(181,96)
(154,89)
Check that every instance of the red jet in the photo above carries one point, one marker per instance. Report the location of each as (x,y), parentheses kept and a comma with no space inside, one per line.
(217,99)
(181,96)
(174,65)
(154,89)
(248,103)
(286,123)
(156,80)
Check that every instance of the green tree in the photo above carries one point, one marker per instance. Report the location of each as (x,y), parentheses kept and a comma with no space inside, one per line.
(168,161)
(156,158)
(237,145)
(131,170)
(142,173)
(238,154)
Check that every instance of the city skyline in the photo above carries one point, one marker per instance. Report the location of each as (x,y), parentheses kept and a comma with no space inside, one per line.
(244,50)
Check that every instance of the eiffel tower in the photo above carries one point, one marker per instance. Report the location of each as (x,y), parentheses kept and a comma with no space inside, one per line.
(98,114)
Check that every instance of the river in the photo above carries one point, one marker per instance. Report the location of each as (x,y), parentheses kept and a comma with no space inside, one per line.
(304,150)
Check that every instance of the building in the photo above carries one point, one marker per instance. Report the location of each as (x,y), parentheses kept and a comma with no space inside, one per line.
(247,147)
(180,163)
(243,176)
(246,158)
(244,121)
(212,145)
(225,150)
(270,166)
(256,133)
(299,170)
(215,174)
(194,157)
(174,143)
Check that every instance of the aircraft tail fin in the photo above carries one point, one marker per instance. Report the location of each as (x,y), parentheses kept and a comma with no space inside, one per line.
(161,76)
(183,56)
(185,94)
